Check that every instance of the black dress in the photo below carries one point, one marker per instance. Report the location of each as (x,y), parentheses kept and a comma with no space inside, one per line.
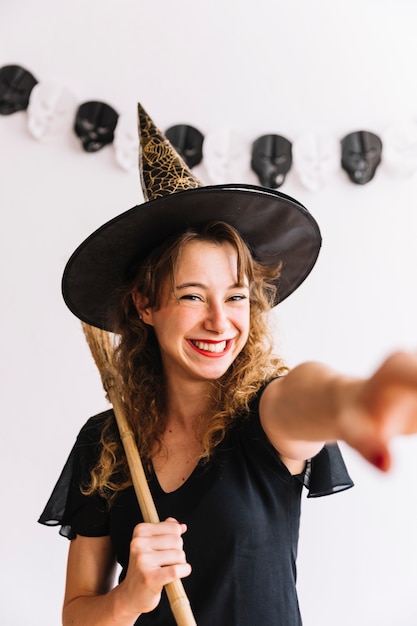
(242,510)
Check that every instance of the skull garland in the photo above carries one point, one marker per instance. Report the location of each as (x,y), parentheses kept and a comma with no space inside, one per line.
(400,148)
(95,123)
(225,153)
(126,145)
(316,159)
(271,159)
(16,84)
(50,111)
(188,141)
(361,155)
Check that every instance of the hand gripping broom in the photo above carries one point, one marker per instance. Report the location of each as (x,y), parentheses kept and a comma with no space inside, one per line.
(101,346)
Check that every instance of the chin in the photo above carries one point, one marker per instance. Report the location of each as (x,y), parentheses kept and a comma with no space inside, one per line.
(212,375)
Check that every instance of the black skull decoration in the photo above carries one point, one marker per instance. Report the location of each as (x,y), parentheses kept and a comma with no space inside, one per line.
(361,155)
(188,141)
(16,84)
(271,159)
(95,123)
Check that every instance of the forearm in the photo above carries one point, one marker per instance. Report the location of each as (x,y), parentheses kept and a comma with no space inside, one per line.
(98,610)
(312,403)
(303,410)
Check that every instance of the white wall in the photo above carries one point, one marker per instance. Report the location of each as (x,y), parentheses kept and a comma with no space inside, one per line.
(260,67)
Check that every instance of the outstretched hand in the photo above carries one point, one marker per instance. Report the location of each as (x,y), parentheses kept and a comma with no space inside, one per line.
(381,407)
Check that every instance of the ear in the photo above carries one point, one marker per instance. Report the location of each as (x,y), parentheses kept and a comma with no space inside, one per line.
(141,306)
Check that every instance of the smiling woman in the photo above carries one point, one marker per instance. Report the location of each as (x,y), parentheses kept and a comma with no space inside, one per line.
(228,435)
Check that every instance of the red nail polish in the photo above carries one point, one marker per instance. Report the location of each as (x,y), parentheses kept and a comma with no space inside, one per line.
(379,461)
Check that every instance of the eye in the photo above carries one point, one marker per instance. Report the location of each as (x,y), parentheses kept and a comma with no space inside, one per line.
(237,297)
(191,296)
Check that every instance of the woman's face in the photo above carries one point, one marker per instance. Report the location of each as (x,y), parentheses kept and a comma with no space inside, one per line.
(203,326)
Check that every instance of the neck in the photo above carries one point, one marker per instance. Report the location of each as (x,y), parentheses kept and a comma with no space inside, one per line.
(187,403)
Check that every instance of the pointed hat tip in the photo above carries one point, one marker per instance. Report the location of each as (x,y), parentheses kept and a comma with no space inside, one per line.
(162,170)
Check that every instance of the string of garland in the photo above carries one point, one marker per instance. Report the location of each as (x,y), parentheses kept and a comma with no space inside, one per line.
(316,157)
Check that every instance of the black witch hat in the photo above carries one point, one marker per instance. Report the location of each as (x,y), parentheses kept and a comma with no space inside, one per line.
(275,227)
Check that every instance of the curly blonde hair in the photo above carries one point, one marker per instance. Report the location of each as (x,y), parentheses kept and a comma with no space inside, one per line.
(139,362)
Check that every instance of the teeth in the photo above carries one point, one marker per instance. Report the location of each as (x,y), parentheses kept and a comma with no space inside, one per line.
(210,347)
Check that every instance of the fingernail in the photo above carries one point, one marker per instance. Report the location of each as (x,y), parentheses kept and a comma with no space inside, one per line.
(379,461)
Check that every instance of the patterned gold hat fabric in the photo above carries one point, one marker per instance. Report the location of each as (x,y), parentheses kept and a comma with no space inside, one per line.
(162,170)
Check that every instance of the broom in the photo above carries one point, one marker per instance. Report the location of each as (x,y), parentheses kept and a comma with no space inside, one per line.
(101,346)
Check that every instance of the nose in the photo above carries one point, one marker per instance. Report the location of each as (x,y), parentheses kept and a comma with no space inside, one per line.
(216,320)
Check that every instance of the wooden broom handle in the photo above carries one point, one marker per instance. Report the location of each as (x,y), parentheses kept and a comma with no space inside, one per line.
(180,605)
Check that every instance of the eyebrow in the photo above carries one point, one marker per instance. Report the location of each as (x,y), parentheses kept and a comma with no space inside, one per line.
(202,286)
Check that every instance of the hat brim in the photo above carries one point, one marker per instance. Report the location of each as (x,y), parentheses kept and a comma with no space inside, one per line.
(275,227)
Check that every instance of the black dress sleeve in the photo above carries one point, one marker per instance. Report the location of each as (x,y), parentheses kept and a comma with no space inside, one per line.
(326,473)
(67,506)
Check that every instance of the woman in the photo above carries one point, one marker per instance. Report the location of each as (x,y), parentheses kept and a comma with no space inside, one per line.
(227,434)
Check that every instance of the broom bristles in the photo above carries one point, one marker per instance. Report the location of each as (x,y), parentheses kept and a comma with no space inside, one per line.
(102,349)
